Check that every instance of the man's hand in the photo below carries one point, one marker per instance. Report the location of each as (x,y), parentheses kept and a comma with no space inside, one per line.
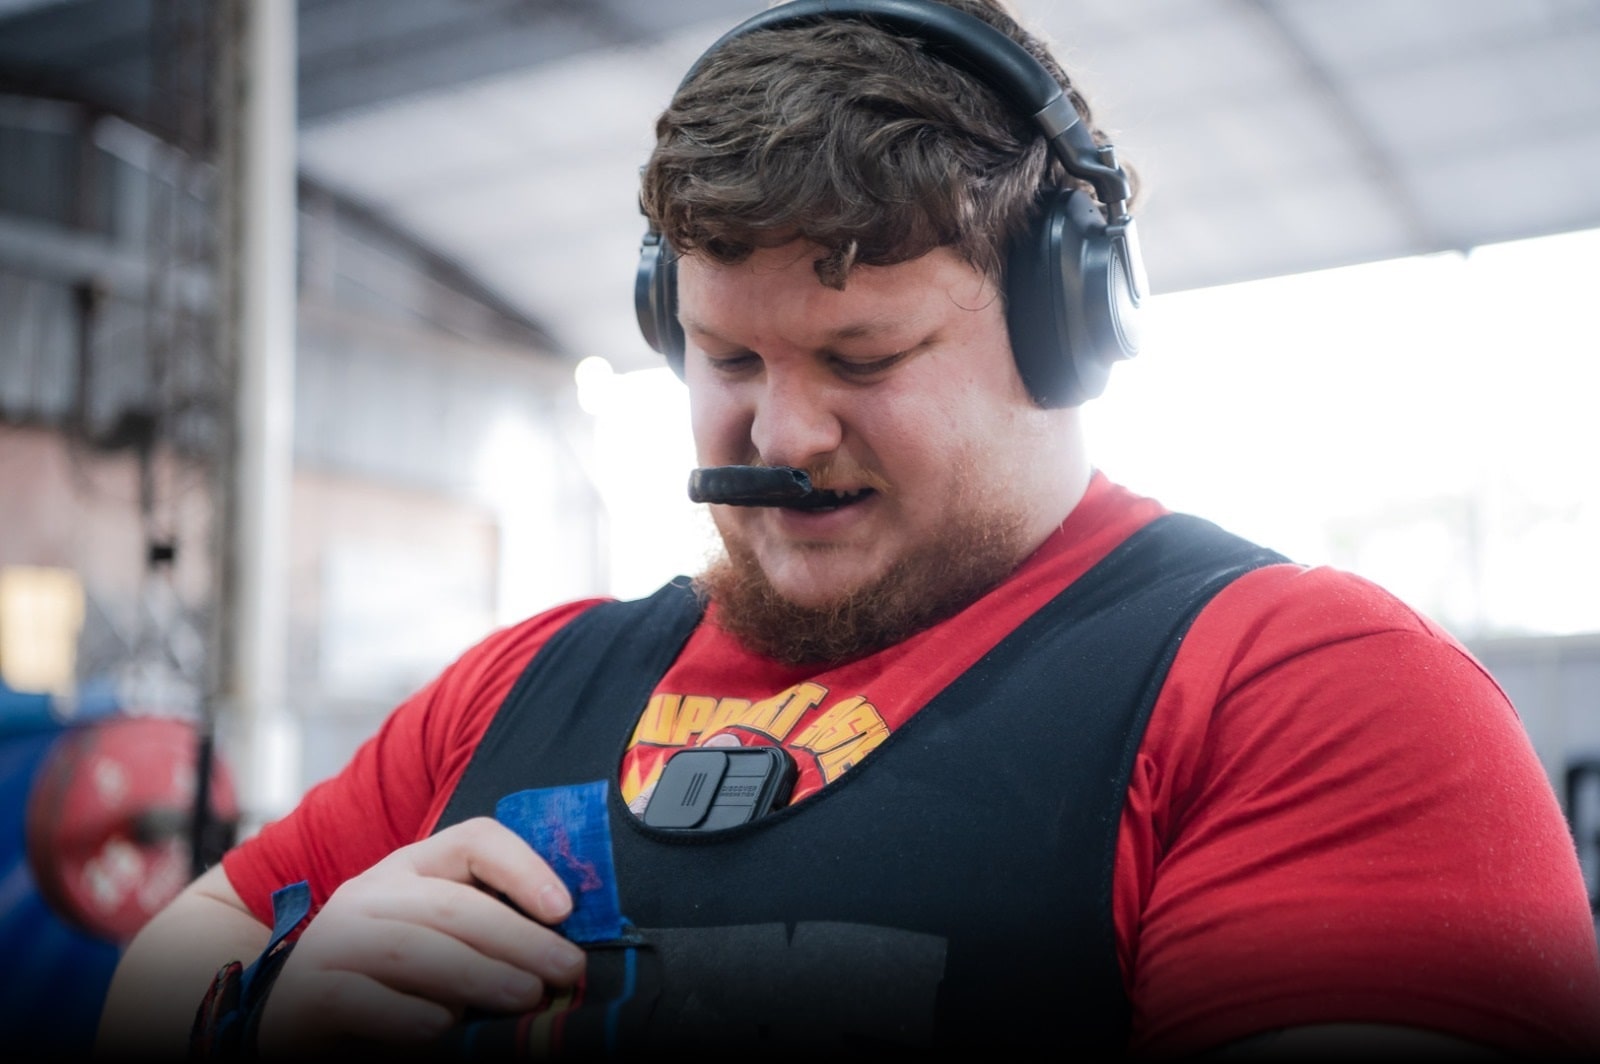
(399,953)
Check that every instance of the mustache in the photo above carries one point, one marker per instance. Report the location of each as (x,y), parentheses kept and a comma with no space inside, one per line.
(837,475)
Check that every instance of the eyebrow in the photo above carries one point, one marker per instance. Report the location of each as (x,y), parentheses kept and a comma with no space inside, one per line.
(853,331)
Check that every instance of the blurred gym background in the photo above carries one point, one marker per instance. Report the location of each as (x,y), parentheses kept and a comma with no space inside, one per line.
(318,361)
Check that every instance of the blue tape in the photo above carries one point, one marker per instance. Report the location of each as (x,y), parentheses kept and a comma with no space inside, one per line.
(569,828)
(290,905)
(614,1009)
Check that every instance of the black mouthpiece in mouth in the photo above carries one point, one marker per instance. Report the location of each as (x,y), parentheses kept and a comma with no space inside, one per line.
(767,485)
(749,485)
(764,486)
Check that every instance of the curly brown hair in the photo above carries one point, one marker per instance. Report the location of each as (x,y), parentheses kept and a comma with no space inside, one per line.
(853,138)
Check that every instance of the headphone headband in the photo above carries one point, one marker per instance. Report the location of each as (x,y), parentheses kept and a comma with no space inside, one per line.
(981,50)
(1073,281)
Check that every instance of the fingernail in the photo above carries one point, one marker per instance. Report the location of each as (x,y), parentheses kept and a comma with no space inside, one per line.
(518,987)
(567,959)
(555,901)
(432,1023)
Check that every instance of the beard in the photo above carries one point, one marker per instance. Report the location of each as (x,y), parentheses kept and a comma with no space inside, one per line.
(978,545)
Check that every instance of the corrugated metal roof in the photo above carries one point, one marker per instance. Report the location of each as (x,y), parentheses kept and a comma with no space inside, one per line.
(1273,136)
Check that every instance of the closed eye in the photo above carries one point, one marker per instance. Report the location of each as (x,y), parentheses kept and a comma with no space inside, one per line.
(859,368)
(735,363)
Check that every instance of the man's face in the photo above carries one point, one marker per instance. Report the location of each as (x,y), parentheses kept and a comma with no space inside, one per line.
(898,391)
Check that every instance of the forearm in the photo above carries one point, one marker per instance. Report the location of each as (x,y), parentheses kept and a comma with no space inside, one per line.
(166,969)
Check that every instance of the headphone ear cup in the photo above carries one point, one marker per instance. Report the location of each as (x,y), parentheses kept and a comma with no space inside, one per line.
(1070,296)
(655,300)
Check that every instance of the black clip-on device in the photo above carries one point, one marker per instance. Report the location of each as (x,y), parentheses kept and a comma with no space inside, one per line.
(703,788)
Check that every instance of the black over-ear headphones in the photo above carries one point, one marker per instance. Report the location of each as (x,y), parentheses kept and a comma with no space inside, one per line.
(1073,281)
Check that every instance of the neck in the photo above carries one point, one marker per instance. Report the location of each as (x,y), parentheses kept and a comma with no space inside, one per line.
(1060,476)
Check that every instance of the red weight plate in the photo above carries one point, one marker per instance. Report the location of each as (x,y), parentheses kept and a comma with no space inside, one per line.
(108,820)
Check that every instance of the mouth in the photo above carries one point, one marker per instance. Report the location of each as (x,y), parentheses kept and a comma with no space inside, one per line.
(825,499)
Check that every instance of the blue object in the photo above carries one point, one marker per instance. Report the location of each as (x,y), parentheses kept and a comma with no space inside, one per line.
(29,712)
(290,905)
(26,712)
(234,1033)
(568,827)
(55,976)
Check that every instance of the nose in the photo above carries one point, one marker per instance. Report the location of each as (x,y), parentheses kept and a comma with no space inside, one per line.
(796,420)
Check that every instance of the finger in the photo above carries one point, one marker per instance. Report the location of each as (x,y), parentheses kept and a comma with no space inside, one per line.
(484,850)
(343,1004)
(427,963)
(485,923)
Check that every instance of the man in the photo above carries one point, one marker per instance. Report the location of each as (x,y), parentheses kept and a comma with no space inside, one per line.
(1047,765)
